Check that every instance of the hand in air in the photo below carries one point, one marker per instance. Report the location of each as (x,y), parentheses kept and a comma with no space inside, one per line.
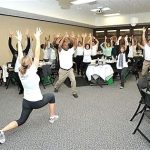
(38,33)
(18,36)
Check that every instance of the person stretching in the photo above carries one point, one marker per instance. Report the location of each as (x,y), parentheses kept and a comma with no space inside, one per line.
(33,99)
(67,47)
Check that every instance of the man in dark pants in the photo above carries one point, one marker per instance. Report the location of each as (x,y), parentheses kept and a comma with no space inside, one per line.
(15,55)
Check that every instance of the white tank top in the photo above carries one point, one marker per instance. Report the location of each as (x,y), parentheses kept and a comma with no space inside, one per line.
(87,56)
(30,81)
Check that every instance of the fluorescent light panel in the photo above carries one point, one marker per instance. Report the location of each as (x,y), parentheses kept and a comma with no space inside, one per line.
(99,31)
(78,2)
(125,30)
(94,10)
(111,31)
(141,29)
(105,8)
(110,15)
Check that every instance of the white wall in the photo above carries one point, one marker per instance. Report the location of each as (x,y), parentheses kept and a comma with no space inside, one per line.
(49,8)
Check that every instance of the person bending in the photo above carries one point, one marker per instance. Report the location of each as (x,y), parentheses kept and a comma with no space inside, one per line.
(33,99)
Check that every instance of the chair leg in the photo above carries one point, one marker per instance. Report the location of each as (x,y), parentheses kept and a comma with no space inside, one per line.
(139,121)
(7,82)
(136,112)
(143,135)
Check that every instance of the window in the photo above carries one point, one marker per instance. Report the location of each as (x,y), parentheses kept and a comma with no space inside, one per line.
(138,31)
(111,33)
(100,35)
(138,34)
(124,32)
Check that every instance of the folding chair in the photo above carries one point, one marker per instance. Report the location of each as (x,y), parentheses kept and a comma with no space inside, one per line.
(146,112)
(141,84)
(10,78)
(1,75)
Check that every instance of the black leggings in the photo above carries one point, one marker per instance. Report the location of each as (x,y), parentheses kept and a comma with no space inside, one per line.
(28,106)
(16,76)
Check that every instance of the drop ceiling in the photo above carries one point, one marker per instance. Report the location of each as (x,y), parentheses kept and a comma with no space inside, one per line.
(81,15)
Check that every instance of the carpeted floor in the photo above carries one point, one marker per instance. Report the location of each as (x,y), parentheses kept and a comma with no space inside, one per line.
(97,120)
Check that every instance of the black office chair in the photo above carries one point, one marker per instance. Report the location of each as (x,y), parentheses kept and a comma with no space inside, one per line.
(145,112)
(141,84)
(10,78)
(1,75)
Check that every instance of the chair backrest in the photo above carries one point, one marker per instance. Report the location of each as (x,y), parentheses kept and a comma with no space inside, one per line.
(146,97)
(1,72)
(9,64)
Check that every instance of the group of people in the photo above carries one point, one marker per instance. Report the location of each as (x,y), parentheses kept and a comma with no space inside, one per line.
(63,48)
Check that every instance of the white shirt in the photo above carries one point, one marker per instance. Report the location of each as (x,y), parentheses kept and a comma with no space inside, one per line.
(94,50)
(46,53)
(132,51)
(53,54)
(30,81)
(17,65)
(79,51)
(65,58)
(147,52)
(87,56)
(125,64)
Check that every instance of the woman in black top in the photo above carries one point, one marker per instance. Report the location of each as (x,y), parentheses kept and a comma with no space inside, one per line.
(15,55)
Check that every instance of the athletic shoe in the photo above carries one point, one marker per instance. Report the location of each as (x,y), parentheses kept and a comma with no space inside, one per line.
(121,87)
(53,118)
(55,90)
(2,137)
(75,95)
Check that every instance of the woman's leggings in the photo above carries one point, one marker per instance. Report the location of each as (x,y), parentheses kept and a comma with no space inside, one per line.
(28,106)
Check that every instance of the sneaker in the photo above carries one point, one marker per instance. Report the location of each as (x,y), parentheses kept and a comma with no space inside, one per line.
(20,92)
(75,95)
(2,137)
(53,118)
(55,90)
(121,87)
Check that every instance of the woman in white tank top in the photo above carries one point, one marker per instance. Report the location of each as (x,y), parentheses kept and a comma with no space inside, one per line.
(33,99)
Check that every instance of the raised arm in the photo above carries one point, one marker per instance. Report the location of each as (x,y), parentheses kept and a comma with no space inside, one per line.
(141,46)
(26,50)
(37,47)
(19,39)
(74,39)
(132,39)
(105,43)
(111,41)
(83,38)
(143,36)
(61,42)
(90,40)
(126,42)
(96,40)
(13,51)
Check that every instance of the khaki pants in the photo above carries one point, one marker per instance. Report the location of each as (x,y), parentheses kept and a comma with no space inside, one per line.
(63,74)
(146,65)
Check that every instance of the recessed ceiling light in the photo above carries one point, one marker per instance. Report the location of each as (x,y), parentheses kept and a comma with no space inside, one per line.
(94,10)
(106,8)
(109,15)
(78,2)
